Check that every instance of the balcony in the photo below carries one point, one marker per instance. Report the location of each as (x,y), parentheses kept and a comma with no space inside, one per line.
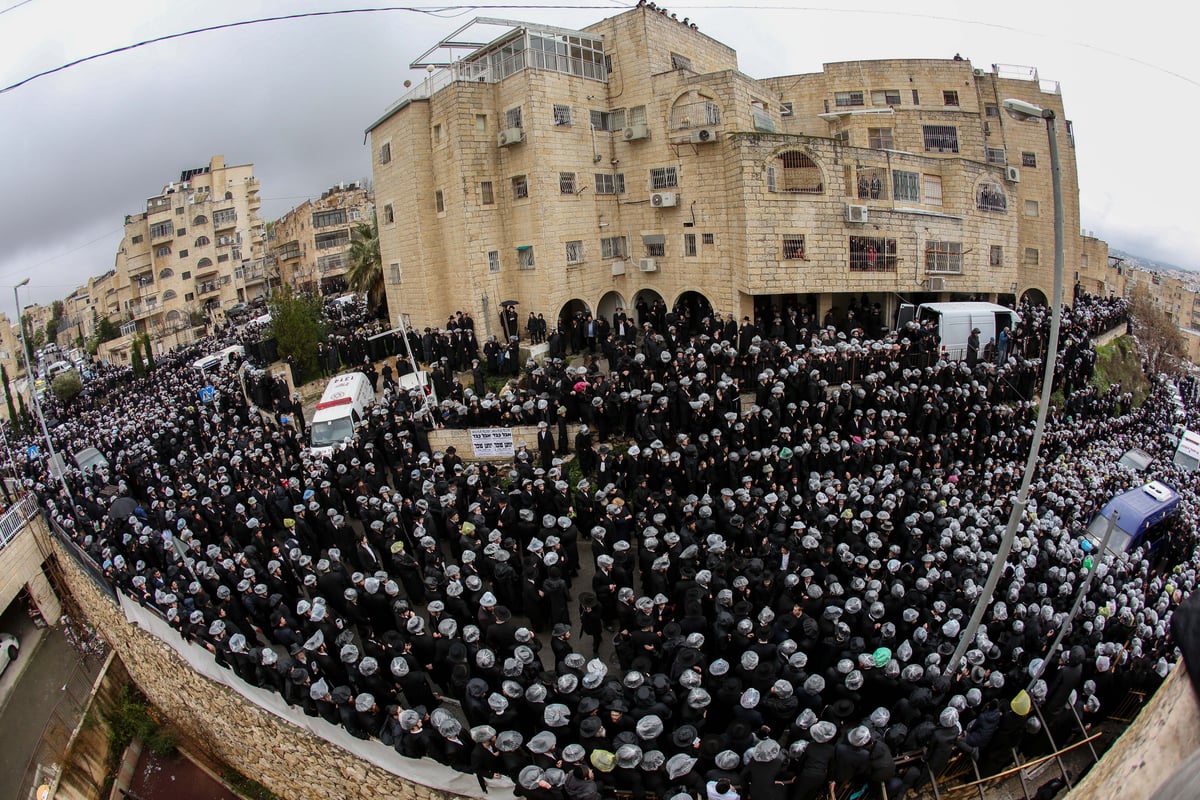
(207,287)
(158,205)
(162,233)
(223,218)
(704,114)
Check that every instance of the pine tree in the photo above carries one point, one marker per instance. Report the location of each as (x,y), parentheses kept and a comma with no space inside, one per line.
(24,422)
(135,358)
(149,352)
(12,410)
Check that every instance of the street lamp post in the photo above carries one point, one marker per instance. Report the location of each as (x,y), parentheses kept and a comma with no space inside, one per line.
(37,405)
(1026,112)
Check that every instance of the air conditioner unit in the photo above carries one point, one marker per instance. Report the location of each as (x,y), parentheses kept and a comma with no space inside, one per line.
(935,284)
(507,137)
(978,73)
(1012,174)
(856,213)
(703,136)
(636,131)
(648,265)
(618,268)
(664,199)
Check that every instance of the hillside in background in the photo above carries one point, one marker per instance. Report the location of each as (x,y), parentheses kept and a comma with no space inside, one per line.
(1149,264)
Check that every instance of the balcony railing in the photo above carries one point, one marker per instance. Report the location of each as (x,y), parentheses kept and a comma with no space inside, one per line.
(207,287)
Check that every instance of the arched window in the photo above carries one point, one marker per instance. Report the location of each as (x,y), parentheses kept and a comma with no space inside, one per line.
(793,171)
(165,250)
(204,262)
(695,109)
(166,273)
(201,241)
(229,195)
(990,197)
(169,294)
(200,220)
(173,315)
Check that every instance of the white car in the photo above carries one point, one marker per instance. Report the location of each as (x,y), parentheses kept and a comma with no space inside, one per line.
(9,647)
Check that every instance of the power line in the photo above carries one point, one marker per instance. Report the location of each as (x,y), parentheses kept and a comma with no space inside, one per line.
(428,10)
(14,7)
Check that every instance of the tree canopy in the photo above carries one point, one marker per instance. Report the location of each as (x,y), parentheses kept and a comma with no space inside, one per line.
(297,328)
(365,273)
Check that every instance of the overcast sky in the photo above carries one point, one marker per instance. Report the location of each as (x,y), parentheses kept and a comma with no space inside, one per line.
(81,148)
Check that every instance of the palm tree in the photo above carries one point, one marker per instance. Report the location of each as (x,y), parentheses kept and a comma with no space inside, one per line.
(365,273)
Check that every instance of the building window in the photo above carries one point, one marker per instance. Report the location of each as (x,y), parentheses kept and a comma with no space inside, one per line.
(943,257)
(991,197)
(610,184)
(437,133)
(164,274)
(614,247)
(949,97)
(486,195)
(520,187)
(225,216)
(656,249)
(708,238)
(389,215)
(663,178)
(872,254)
(689,244)
(1028,159)
(200,220)
(1032,208)
(933,190)
(879,138)
(637,115)
(680,62)
(885,97)
(322,219)
(916,98)
(187,276)
(562,114)
(355,214)
(846,99)
(793,247)
(940,138)
(136,239)
(992,111)
(493,260)
(201,264)
(786,110)
(222,258)
(872,183)
(327,241)
(439,201)
(997,155)
(575,252)
(183,253)
(525,257)
(169,294)
(566,183)
(794,172)
(202,241)
(385,152)
(481,123)
(996,256)
(906,186)
(1032,256)
(695,110)
(512,118)
(394,273)
(181,232)
(163,251)
(160,230)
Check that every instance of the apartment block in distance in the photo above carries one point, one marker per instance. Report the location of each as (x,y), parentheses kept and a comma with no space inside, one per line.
(196,250)
(310,243)
(632,160)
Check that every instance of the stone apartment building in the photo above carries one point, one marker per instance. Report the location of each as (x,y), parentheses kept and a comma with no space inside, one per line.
(310,243)
(632,160)
(195,250)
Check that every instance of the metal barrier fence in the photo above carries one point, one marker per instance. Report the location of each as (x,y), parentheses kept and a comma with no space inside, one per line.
(15,518)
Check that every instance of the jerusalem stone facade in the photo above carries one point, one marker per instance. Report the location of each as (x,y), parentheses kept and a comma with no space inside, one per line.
(311,242)
(635,161)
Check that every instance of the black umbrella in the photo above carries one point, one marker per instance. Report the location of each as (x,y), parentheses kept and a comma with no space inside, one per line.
(510,303)
(122,508)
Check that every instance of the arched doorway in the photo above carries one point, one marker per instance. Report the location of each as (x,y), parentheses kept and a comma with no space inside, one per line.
(649,306)
(1034,297)
(691,308)
(573,307)
(608,305)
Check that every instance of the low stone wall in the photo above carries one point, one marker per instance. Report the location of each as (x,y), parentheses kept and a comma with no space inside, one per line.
(1163,736)
(224,726)
(460,438)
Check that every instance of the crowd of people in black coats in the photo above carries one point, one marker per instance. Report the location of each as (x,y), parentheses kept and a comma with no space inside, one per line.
(736,598)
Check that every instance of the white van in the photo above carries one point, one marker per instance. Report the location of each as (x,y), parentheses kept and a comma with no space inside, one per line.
(341,408)
(955,321)
(218,359)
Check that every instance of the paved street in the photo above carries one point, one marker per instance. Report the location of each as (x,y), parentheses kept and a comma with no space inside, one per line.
(38,699)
